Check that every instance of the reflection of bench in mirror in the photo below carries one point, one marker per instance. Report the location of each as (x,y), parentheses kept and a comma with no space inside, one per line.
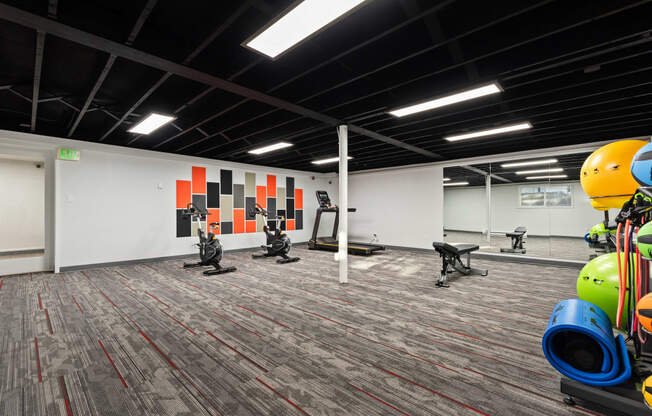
(518,237)
(451,261)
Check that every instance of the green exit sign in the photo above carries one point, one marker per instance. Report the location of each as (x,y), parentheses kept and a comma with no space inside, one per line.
(67,154)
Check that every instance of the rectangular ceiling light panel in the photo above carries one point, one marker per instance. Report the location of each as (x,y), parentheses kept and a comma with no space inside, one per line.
(528,172)
(531,178)
(447,100)
(531,163)
(151,123)
(455,183)
(270,148)
(490,132)
(329,160)
(306,18)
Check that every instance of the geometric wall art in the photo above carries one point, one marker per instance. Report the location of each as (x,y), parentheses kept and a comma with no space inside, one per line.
(230,204)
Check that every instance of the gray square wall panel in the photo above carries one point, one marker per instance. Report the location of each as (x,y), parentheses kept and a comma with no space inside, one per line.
(289,185)
(271,207)
(250,184)
(212,195)
(250,205)
(289,209)
(226,212)
(226,227)
(238,196)
(226,179)
(199,201)
(280,198)
(183,224)
(298,219)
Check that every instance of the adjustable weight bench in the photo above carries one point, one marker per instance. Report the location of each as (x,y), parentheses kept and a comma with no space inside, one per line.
(451,261)
(517,241)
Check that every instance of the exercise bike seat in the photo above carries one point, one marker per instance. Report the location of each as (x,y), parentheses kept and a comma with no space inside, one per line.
(518,231)
(456,249)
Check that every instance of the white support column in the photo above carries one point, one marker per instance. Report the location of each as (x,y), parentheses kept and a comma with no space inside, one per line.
(487,182)
(343,236)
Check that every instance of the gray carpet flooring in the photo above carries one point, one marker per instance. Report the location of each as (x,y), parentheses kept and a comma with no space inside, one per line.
(271,339)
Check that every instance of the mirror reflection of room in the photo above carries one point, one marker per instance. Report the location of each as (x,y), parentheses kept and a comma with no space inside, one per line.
(533,206)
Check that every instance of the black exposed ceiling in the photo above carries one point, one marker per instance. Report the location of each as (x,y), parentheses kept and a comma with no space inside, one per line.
(570,163)
(578,71)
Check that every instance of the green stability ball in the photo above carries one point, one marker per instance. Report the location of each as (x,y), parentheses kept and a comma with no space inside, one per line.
(598,284)
(644,240)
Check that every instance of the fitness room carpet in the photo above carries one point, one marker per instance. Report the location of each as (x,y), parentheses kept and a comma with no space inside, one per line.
(272,339)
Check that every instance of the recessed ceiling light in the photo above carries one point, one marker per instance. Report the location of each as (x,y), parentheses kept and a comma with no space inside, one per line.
(270,148)
(547,177)
(527,172)
(329,160)
(531,163)
(151,123)
(447,100)
(455,183)
(303,20)
(490,132)
(447,179)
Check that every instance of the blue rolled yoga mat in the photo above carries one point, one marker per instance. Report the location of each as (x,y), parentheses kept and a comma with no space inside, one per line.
(579,343)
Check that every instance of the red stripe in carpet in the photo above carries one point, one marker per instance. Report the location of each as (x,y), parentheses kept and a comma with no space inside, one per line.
(40,303)
(237,352)
(158,300)
(296,406)
(112,363)
(47,318)
(237,324)
(79,307)
(64,393)
(379,399)
(38,360)
(434,391)
(175,320)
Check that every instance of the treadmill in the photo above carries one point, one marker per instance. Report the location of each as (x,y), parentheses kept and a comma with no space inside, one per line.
(331,243)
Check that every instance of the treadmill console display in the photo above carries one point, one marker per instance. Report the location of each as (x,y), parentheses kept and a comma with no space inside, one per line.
(323,199)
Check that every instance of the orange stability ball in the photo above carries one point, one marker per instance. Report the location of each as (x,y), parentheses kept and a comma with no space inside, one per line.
(606,177)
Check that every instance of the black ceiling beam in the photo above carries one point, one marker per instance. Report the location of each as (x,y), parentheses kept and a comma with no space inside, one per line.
(484,56)
(205,43)
(23,18)
(144,14)
(393,29)
(38,66)
(556,102)
(513,86)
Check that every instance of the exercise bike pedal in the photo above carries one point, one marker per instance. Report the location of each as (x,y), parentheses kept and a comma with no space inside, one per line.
(220,271)
(442,284)
(288,260)
(192,265)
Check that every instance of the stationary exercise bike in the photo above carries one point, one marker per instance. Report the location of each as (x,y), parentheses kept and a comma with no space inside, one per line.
(278,243)
(210,248)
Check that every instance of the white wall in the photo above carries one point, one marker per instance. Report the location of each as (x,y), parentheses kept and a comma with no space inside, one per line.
(109,206)
(464,209)
(402,206)
(22,205)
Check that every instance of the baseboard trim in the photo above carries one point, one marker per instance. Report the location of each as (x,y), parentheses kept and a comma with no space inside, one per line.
(513,258)
(24,251)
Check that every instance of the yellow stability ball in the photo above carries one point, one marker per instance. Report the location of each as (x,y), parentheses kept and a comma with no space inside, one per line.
(606,177)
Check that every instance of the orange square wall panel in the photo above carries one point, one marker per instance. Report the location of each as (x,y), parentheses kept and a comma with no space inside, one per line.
(298,199)
(238,221)
(251,226)
(183,194)
(261,196)
(271,186)
(213,215)
(198,180)
(289,225)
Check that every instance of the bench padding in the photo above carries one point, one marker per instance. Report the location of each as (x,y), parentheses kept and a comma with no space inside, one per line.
(457,249)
